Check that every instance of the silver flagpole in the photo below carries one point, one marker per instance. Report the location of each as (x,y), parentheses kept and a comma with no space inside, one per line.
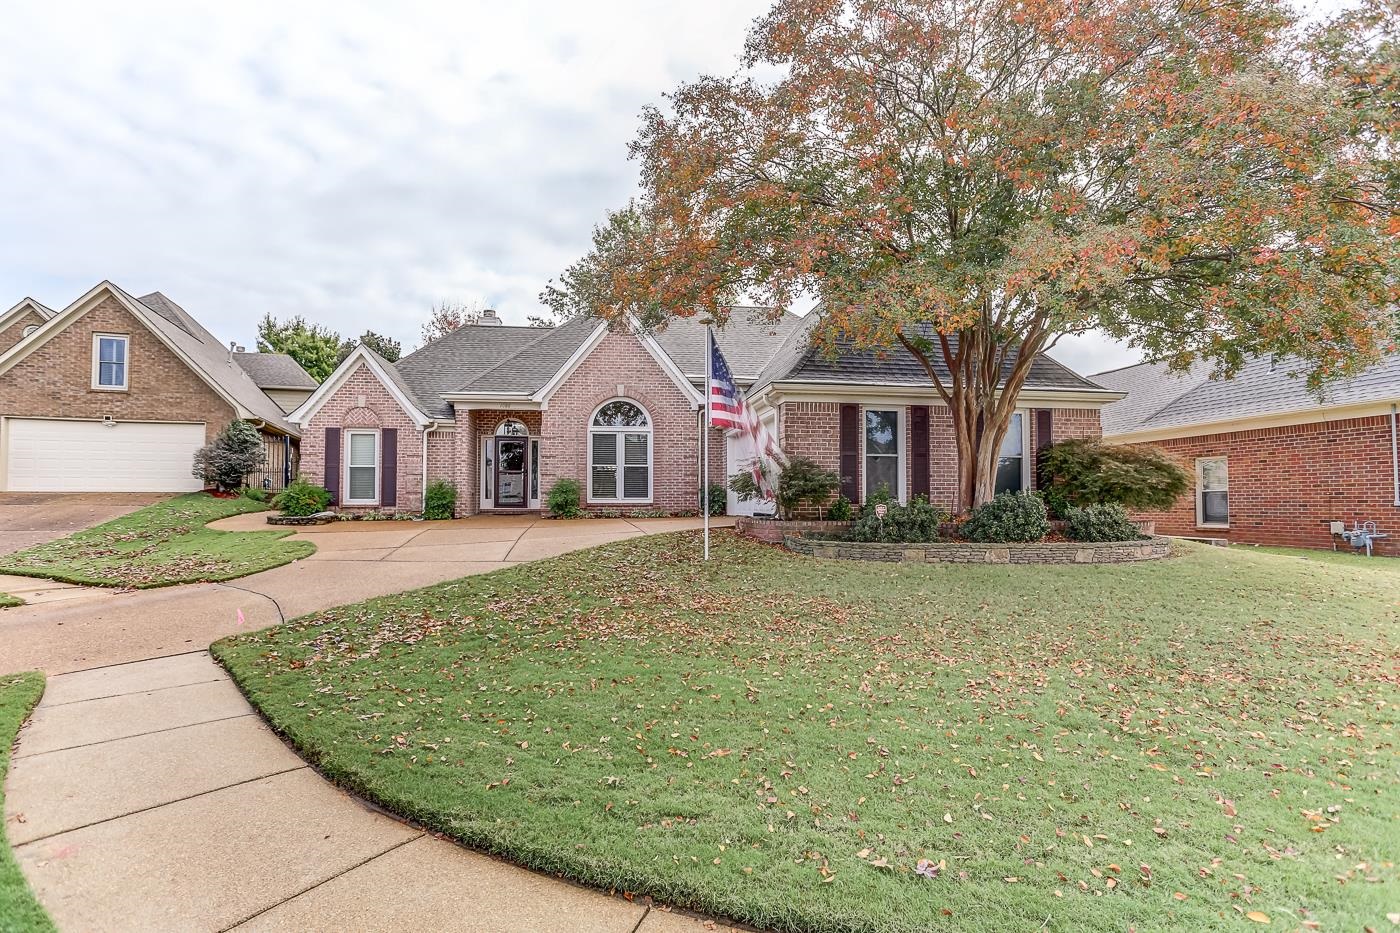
(705,437)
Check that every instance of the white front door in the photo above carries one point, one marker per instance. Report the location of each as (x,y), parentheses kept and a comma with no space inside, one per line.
(737,456)
(50,455)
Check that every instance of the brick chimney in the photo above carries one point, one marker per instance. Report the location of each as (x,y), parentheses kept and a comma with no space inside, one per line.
(488,317)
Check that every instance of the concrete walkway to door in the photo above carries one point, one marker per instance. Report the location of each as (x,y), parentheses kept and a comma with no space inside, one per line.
(147,794)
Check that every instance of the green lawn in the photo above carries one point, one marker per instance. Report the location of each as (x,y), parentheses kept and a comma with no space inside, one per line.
(19,912)
(160,545)
(783,741)
(6,601)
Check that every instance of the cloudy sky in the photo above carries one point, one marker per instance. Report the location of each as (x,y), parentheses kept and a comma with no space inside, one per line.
(349,162)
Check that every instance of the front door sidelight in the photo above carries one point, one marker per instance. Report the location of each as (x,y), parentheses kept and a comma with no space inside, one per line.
(512,473)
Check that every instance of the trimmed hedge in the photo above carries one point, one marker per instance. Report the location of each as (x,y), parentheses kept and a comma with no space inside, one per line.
(1010,517)
(916,522)
(1100,523)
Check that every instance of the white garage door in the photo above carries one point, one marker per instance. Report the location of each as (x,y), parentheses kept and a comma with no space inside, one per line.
(88,456)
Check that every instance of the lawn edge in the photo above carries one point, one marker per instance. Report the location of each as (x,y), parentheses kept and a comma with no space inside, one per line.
(58,576)
(25,892)
(555,869)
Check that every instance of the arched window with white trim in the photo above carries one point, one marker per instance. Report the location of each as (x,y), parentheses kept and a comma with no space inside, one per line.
(512,428)
(619,453)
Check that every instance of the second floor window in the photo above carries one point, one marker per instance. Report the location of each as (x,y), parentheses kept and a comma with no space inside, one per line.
(109,361)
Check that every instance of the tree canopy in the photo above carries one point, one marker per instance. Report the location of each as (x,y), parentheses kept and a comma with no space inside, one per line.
(447,316)
(386,347)
(315,347)
(971,180)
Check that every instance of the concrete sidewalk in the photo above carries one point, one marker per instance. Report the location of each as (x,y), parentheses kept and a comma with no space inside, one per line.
(146,794)
(150,796)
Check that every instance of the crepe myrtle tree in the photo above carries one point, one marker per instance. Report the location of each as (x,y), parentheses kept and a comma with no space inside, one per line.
(972,180)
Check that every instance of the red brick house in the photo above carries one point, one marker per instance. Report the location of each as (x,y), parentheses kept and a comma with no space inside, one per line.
(505,412)
(1273,463)
(116,393)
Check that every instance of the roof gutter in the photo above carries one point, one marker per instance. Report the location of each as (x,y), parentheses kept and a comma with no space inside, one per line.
(861,390)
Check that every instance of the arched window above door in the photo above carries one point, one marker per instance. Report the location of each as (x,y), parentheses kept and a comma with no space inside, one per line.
(512,428)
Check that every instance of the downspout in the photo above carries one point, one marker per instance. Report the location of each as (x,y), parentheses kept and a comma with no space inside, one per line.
(423,489)
(1394,457)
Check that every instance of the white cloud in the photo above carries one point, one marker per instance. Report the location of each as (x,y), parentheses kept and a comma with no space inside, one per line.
(351,162)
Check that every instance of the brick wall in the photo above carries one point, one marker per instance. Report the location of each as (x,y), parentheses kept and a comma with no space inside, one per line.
(15,332)
(55,380)
(363,402)
(812,429)
(1287,483)
(619,360)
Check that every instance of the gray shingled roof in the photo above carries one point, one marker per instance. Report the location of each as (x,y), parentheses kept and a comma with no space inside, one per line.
(798,361)
(1160,399)
(536,363)
(274,371)
(212,359)
(749,340)
(448,363)
(522,360)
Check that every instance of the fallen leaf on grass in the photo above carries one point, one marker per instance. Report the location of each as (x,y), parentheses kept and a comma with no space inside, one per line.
(1258,916)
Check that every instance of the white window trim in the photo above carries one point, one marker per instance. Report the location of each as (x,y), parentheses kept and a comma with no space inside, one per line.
(1026,453)
(901,451)
(1201,491)
(28,329)
(621,454)
(378,467)
(97,361)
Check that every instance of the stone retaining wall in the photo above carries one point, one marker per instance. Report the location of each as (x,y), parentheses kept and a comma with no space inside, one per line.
(773,531)
(967,552)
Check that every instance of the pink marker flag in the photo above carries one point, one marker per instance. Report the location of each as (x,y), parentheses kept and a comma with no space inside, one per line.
(240,617)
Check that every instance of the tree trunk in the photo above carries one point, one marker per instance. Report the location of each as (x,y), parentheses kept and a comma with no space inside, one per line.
(981,402)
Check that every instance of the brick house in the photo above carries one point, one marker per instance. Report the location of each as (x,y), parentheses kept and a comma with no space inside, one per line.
(1272,462)
(505,412)
(116,393)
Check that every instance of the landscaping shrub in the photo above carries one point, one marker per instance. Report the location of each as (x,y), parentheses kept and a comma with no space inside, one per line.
(802,482)
(254,493)
(916,522)
(1108,522)
(236,452)
(718,499)
(564,499)
(439,500)
(840,510)
(1010,517)
(302,498)
(1086,472)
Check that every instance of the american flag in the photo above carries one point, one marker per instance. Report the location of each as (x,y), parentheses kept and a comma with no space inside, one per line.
(728,411)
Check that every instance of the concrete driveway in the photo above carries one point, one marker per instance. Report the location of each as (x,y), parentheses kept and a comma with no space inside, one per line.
(28,518)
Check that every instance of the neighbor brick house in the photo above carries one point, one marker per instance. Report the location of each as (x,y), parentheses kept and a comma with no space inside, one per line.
(21,321)
(1271,462)
(116,393)
(506,412)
